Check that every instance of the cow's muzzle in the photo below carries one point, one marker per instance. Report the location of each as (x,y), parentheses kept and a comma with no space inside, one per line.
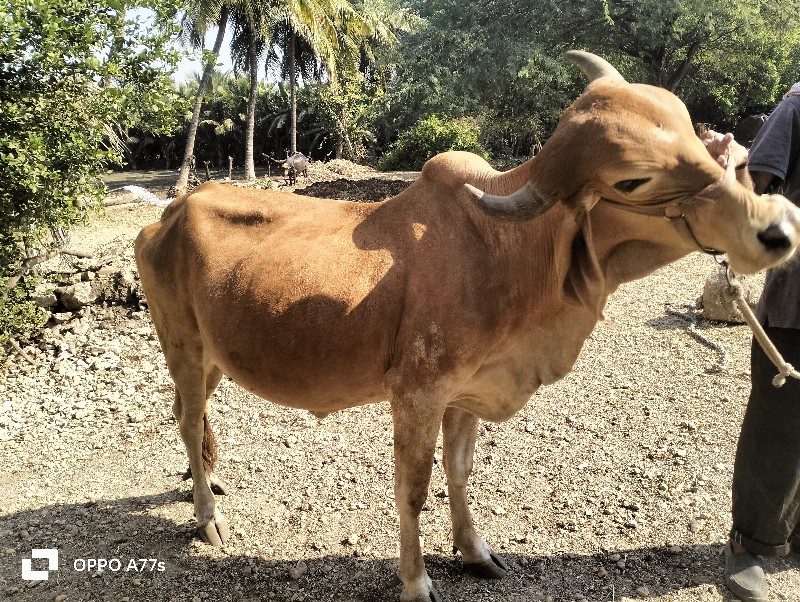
(776,237)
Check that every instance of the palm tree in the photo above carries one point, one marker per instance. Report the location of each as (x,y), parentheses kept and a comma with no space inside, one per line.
(308,38)
(304,31)
(306,41)
(250,19)
(360,54)
(200,18)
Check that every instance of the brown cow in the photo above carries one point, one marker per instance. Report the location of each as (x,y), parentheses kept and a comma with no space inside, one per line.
(453,304)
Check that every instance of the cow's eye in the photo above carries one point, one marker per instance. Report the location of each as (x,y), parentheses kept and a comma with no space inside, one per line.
(630,185)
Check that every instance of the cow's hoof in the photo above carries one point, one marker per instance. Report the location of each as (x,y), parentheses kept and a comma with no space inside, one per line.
(494,568)
(393,581)
(218,486)
(216,532)
(433,596)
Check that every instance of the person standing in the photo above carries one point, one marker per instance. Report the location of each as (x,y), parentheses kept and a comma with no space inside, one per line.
(766,474)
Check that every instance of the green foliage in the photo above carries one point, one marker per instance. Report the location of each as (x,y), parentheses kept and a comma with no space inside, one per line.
(430,137)
(19,315)
(724,59)
(501,62)
(53,120)
(488,60)
(69,82)
(345,118)
(347,105)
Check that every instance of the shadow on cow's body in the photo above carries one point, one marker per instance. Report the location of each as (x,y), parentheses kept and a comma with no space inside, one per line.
(455,300)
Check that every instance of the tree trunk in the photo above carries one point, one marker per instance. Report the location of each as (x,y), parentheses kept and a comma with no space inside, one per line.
(208,69)
(167,144)
(292,99)
(339,145)
(249,162)
(343,142)
(679,74)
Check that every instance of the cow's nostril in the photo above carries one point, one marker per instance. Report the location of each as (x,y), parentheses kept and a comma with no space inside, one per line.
(775,237)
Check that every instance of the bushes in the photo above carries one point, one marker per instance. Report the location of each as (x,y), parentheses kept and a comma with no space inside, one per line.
(430,137)
(61,111)
(19,315)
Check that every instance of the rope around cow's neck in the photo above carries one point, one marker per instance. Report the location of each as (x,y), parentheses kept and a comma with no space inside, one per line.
(736,294)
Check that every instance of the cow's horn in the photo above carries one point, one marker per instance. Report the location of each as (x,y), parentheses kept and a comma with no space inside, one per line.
(592,65)
(524,204)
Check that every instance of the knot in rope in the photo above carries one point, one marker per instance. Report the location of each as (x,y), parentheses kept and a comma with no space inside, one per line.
(733,291)
(786,370)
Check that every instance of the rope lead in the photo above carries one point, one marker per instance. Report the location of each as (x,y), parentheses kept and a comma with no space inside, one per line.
(785,369)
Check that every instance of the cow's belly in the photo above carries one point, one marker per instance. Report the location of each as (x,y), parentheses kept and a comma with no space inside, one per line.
(320,392)
(301,362)
(306,324)
(315,354)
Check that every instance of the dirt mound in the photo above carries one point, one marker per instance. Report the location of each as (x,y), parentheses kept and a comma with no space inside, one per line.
(364,190)
(338,168)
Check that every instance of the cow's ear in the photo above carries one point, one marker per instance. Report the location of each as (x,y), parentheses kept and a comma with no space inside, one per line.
(562,171)
(581,200)
(583,282)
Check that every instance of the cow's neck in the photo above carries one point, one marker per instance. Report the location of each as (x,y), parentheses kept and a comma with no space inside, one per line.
(632,246)
(535,258)
(628,246)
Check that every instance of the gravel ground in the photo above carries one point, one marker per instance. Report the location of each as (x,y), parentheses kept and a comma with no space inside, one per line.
(613,484)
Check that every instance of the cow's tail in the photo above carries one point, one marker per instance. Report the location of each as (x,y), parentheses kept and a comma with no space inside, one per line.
(209,446)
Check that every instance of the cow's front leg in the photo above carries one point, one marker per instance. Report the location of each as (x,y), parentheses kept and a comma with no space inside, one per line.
(460,430)
(416,427)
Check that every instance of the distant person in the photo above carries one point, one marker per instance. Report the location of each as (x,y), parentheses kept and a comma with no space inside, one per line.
(766,474)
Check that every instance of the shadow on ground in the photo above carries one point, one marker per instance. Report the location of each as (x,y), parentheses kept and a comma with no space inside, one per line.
(126,529)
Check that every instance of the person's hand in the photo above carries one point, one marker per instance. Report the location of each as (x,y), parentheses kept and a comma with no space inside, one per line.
(723,148)
(731,155)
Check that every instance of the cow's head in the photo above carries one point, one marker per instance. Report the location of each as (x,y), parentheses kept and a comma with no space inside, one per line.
(634,145)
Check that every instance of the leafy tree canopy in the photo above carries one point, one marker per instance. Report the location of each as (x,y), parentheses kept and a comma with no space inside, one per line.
(500,60)
(486,60)
(430,137)
(72,76)
(724,59)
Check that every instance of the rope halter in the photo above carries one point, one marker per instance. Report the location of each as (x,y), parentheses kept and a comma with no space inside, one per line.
(675,209)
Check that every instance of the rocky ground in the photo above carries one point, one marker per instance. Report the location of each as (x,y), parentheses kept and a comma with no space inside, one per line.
(612,484)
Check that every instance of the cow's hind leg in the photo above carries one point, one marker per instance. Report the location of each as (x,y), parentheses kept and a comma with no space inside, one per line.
(416,427)
(460,430)
(218,486)
(190,409)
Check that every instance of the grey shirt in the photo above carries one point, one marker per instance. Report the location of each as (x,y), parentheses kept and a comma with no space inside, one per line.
(776,150)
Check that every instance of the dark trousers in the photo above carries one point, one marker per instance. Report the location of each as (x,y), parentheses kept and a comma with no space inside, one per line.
(766,474)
